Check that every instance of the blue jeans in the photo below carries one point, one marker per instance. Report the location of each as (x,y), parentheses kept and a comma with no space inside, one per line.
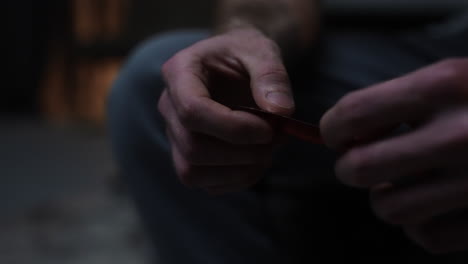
(299,213)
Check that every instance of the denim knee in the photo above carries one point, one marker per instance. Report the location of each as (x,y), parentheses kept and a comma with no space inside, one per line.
(135,126)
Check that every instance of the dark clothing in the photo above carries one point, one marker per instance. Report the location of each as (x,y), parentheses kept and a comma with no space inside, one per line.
(299,213)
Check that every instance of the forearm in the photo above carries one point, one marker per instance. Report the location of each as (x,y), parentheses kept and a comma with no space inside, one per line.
(293,24)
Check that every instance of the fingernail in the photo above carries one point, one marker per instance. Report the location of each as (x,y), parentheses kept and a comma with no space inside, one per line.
(281,99)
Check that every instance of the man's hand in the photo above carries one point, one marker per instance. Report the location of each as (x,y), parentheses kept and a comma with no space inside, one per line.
(418,180)
(214,147)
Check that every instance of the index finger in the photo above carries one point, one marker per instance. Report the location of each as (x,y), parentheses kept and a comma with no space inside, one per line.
(199,113)
(367,113)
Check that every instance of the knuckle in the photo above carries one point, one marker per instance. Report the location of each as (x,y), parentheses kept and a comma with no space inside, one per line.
(452,75)
(168,66)
(174,64)
(349,109)
(346,104)
(267,44)
(188,113)
(276,75)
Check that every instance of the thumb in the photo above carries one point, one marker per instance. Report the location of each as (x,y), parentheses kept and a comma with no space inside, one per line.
(271,88)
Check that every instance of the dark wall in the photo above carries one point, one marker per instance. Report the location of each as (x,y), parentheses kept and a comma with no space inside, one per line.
(16,92)
(30,25)
(151,16)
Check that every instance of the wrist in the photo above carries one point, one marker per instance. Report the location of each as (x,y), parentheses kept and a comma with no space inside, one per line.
(233,25)
(236,26)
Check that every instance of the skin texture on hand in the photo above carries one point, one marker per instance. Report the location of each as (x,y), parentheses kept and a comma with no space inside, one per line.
(417,180)
(214,147)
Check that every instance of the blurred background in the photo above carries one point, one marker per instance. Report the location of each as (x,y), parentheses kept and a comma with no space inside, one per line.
(61,200)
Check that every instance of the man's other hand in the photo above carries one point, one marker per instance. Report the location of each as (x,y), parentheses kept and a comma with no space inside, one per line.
(418,179)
